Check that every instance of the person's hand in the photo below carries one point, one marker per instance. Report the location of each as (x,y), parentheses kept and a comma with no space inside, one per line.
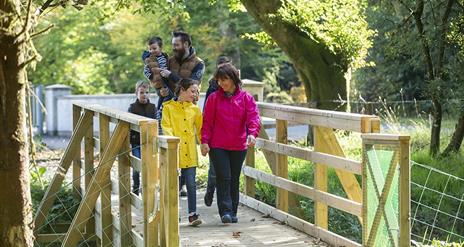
(165,73)
(164,92)
(251,141)
(204,149)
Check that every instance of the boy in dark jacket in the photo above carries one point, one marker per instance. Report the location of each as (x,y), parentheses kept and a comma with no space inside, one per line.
(142,107)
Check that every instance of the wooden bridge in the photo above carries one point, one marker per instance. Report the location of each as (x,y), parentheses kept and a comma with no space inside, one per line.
(108,214)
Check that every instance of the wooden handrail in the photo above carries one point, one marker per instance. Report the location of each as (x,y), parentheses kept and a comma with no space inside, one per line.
(332,119)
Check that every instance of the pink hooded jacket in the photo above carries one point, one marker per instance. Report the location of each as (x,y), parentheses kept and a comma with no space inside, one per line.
(228,120)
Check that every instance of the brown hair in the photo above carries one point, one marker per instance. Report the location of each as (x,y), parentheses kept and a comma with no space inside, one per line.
(184,84)
(141,84)
(228,71)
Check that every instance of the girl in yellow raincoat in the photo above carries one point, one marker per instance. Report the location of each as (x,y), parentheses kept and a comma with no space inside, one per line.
(183,119)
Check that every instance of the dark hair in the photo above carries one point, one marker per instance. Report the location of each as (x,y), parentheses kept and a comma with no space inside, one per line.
(185,37)
(156,40)
(228,71)
(223,60)
(184,83)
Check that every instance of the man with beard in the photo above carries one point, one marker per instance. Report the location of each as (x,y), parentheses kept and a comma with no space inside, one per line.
(184,63)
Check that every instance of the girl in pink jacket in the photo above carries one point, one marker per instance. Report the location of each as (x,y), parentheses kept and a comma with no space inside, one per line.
(230,123)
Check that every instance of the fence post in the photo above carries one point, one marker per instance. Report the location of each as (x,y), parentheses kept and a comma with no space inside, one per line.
(149,157)
(172,208)
(105,197)
(282,164)
(250,182)
(320,181)
(76,171)
(405,193)
(385,155)
(125,216)
(88,171)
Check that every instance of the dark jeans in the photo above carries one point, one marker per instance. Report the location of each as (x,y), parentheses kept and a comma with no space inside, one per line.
(136,174)
(211,178)
(189,176)
(227,165)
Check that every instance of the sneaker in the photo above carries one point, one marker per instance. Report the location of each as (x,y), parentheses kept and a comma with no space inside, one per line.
(234,219)
(183,192)
(208,199)
(226,218)
(194,220)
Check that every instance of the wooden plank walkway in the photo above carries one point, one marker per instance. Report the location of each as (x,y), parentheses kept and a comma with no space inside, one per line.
(253,229)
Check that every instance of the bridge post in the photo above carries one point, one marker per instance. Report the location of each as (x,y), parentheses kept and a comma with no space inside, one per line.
(250,182)
(386,190)
(282,164)
(125,211)
(172,190)
(405,193)
(76,165)
(320,180)
(89,146)
(105,197)
(150,170)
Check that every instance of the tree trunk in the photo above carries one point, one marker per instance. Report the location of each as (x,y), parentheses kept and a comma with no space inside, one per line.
(319,69)
(436,113)
(458,135)
(16,223)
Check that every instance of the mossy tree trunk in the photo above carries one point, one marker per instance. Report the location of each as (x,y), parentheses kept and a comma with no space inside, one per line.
(320,70)
(16,223)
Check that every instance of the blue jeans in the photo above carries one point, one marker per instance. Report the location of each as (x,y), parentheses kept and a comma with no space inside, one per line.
(211,178)
(136,174)
(228,166)
(189,176)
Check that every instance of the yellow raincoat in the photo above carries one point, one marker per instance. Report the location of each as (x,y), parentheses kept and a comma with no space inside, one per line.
(184,120)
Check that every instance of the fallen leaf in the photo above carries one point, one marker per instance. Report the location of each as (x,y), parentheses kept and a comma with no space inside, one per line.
(252,220)
(236,234)
(266,216)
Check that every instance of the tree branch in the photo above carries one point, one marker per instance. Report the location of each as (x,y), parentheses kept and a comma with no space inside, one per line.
(41,31)
(442,41)
(417,13)
(24,64)
(28,17)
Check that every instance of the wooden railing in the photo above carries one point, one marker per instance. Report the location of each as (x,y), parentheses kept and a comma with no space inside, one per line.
(327,153)
(100,221)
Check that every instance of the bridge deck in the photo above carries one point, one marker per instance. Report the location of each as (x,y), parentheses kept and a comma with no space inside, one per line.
(253,229)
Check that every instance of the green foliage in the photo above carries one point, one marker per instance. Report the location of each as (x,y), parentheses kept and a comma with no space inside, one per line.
(61,211)
(98,49)
(339,25)
(397,67)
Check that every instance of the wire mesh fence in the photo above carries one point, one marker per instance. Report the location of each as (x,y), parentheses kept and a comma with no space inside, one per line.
(437,208)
